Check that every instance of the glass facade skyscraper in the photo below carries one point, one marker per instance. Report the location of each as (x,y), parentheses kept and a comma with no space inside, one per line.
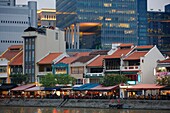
(114,21)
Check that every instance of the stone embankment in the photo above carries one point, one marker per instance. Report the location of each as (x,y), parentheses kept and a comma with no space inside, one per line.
(87,103)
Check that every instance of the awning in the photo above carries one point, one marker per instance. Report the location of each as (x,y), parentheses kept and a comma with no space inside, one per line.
(146,87)
(85,87)
(24,87)
(36,88)
(165,88)
(103,88)
(57,88)
(6,87)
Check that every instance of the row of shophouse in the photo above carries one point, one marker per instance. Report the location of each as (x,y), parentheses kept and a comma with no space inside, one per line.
(44,52)
(138,63)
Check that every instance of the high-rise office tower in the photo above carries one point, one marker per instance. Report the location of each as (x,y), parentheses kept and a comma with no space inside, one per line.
(167,8)
(99,23)
(7,2)
(158,30)
(13,20)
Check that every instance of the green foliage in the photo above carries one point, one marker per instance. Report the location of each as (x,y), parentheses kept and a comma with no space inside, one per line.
(19,78)
(64,79)
(48,80)
(51,80)
(164,80)
(111,80)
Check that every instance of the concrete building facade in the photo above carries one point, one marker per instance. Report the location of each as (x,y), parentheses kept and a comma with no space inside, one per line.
(13,20)
(37,44)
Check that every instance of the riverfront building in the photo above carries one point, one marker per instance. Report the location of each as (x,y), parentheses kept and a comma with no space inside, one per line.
(8,58)
(93,24)
(37,44)
(13,20)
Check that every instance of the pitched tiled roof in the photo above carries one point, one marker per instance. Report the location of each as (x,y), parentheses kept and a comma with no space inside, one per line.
(68,60)
(119,53)
(49,58)
(126,45)
(82,54)
(18,60)
(145,47)
(15,47)
(99,52)
(165,61)
(98,62)
(84,59)
(136,55)
(11,52)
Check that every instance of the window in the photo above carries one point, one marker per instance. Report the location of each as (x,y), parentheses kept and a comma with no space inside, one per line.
(3,69)
(107,5)
(56,36)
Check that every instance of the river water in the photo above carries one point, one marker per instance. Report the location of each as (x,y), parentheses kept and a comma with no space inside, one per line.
(72,110)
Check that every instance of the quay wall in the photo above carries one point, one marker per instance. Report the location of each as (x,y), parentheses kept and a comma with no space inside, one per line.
(88,103)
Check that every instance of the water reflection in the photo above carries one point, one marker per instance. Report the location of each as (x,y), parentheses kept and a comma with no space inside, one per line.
(71,110)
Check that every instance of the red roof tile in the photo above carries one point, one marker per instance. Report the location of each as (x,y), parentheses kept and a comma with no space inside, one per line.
(118,53)
(126,45)
(98,62)
(136,55)
(76,55)
(82,54)
(68,60)
(145,47)
(11,52)
(15,47)
(49,58)
(165,61)
(18,60)
(84,59)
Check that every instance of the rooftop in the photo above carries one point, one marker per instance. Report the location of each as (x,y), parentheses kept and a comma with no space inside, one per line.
(12,51)
(49,58)
(98,62)
(136,55)
(119,53)
(18,60)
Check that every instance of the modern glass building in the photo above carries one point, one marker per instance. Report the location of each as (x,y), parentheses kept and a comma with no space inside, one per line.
(91,24)
(159,29)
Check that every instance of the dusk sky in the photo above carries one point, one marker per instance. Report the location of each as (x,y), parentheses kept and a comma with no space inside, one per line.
(152,4)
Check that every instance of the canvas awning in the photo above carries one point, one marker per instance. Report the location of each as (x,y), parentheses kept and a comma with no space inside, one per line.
(6,87)
(85,87)
(36,88)
(145,87)
(57,88)
(23,87)
(103,88)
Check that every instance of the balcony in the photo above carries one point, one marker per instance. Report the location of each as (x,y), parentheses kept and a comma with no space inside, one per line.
(44,73)
(131,68)
(90,75)
(3,75)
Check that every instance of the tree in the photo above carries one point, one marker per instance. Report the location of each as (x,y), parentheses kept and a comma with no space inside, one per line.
(64,79)
(19,78)
(51,80)
(111,80)
(48,80)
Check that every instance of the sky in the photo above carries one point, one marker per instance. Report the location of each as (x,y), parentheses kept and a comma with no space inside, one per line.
(152,4)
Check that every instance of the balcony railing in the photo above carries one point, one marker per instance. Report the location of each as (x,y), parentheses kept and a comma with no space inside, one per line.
(94,75)
(3,75)
(130,68)
(44,73)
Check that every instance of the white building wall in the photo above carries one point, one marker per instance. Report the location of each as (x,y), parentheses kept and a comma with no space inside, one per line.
(148,65)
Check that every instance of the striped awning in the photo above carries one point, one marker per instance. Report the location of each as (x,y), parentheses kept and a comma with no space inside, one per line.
(23,87)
